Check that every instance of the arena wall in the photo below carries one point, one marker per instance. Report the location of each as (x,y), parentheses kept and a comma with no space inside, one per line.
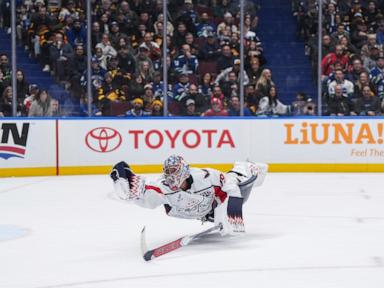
(31,147)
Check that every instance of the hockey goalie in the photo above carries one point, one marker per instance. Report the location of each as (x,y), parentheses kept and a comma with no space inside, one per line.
(193,193)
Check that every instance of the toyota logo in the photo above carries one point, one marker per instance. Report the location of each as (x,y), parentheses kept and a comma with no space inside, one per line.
(103,139)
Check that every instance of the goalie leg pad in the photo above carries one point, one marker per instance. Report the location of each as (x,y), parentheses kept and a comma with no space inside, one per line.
(230,216)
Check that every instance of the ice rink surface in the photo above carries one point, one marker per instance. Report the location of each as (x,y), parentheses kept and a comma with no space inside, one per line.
(303,230)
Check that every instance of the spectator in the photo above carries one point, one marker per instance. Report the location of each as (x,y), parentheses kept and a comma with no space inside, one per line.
(225,60)
(362,82)
(330,59)
(6,102)
(230,87)
(186,62)
(349,48)
(377,73)
(22,86)
(368,105)
(55,108)
(78,66)
(41,106)
(206,84)
(190,40)
(300,105)
(179,35)
(137,109)
(228,22)
(360,34)
(106,47)
(370,15)
(251,97)
(271,105)
(264,84)
(216,109)
(60,54)
(339,33)
(136,87)
(181,88)
(339,105)
(380,33)
(157,108)
(205,26)
(96,33)
(211,49)
(153,47)
(148,98)
(254,71)
(217,93)
(191,108)
(201,102)
(127,62)
(126,18)
(346,84)
(234,107)
(224,75)
(160,19)
(145,71)
(77,35)
(355,71)
(371,58)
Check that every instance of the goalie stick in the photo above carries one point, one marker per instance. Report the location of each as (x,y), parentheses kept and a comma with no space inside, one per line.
(171,246)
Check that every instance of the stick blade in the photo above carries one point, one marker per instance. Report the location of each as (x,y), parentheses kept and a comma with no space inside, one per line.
(147,255)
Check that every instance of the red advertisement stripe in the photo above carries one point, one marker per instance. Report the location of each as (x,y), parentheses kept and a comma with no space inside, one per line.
(13,149)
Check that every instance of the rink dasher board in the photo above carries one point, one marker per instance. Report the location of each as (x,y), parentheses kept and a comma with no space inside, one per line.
(30,147)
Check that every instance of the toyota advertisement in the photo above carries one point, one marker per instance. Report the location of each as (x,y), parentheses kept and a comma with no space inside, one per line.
(99,143)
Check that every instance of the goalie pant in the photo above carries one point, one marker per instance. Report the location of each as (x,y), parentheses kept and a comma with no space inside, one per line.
(212,195)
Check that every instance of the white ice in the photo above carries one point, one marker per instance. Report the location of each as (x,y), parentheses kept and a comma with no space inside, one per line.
(303,230)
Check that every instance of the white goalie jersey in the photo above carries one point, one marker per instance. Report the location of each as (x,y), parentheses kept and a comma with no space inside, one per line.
(209,190)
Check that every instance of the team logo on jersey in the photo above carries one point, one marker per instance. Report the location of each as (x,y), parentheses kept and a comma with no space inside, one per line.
(103,139)
(12,141)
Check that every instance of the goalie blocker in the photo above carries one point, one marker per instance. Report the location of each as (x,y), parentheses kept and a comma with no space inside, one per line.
(193,193)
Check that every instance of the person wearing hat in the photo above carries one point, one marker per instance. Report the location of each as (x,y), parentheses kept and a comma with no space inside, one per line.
(181,87)
(190,108)
(224,75)
(216,109)
(356,8)
(189,12)
(156,108)
(137,109)
(372,54)
(377,73)
(114,33)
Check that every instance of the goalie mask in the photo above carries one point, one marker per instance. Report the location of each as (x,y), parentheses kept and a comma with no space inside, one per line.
(175,171)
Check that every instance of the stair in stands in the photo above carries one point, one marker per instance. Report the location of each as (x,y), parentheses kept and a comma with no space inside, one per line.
(291,68)
(33,71)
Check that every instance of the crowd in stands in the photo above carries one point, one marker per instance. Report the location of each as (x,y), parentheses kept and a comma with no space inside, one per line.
(352,64)
(203,57)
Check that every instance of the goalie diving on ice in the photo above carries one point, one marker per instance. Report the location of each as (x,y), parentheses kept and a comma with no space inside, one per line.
(193,193)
